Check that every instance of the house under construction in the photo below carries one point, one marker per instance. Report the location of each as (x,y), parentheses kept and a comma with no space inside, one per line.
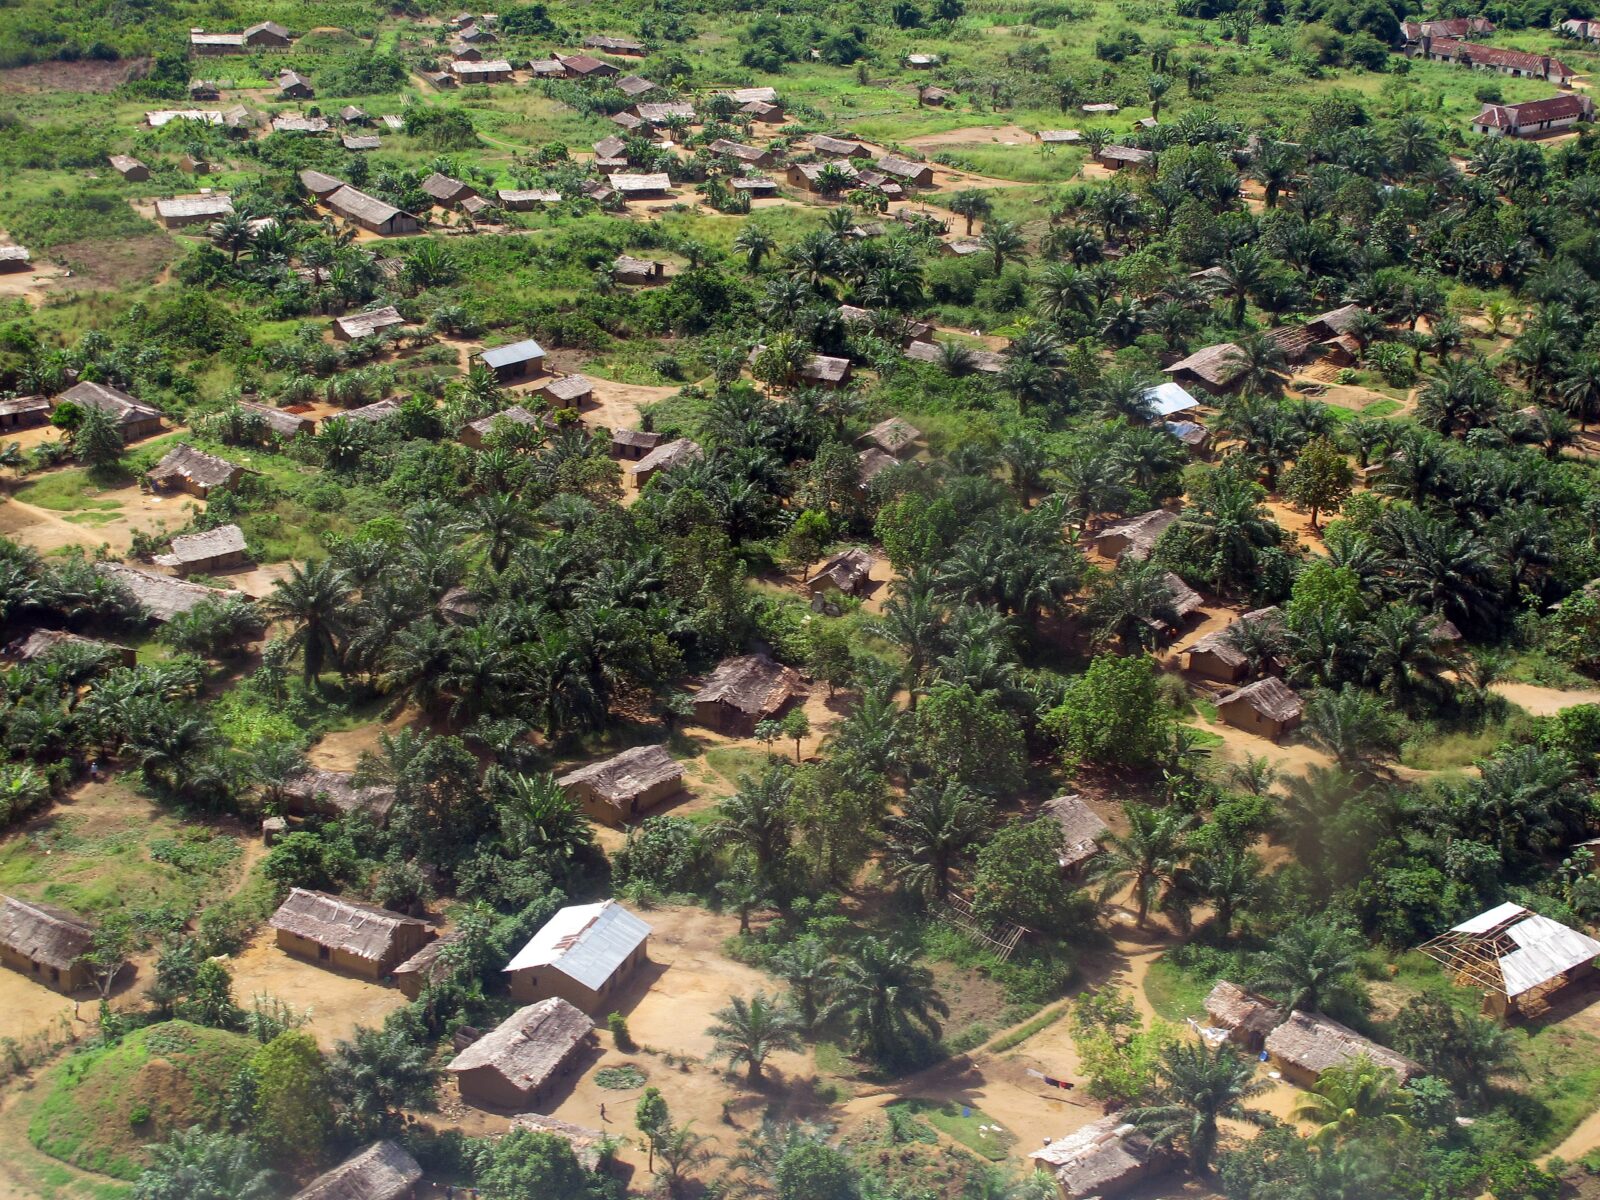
(1517,958)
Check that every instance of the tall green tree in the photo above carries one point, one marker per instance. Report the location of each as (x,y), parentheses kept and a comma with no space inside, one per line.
(1201,1086)
(750,1031)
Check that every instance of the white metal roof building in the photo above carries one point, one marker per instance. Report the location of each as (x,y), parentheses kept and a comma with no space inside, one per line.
(588,943)
(1514,954)
(1167,398)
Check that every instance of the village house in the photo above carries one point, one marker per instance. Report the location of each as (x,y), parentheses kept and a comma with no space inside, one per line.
(185,469)
(586,1143)
(1217,655)
(183,211)
(962,247)
(517,361)
(1214,368)
(754,186)
(586,66)
(763,112)
(610,154)
(204,89)
(634,86)
(826,370)
(424,968)
(1515,957)
(932,95)
(878,181)
(161,596)
(1082,830)
(496,70)
(346,935)
(547,68)
(1100,109)
(1449,27)
(627,269)
(872,463)
(42,643)
(664,113)
(219,549)
(631,445)
(973,358)
(653,186)
(279,421)
(922,62)
(911,174)
(584,955)
(514,1065)
(744,691)
(354,326)
(621,788)
(319,184)
(1114,157)
(129,168)
(352,114)
(442,80)
(294,86)
(892,436)
(1268,708)
(476,34)
(1135,537)
(1578,27)
(750,155)
(134,419)
(24,412)
(665,458)
(911,331)
(833,147)
(383,1171)
(1168,399)
(846,573)
(165,116)
(1059,137)
(1307,1044)
(362,141)
(1247,1017)
(569,391)
(463,52)
(1105,1158)
(370,213)
(1185,603)
(809,176)
(45,943)
(476,433)
(14,259)
(313,790)
(615,45)
(267,35)
(526,199)
(213,45)
(445,191)
(1534,118)
(1492,58)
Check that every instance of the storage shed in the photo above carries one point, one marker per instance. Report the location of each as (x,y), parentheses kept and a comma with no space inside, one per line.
(744,691)
(383,1171)
(1307,1044)
(514,362)
(1135,537)
(185,469)
(1268,707)
(219,549)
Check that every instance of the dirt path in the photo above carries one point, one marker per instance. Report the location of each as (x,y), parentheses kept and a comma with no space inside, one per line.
(1544,701)
(111,518)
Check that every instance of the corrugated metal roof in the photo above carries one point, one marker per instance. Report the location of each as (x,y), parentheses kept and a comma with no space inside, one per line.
(1486,921)
(1545,950)
(516,352)
(1167,398)
(586,942)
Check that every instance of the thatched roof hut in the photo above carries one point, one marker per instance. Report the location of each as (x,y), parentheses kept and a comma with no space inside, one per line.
(1307,1044)
(1101,1159)
(892,436)
(383,1171)
(218,549)
(344,933)
(1135,537)
(744,691)
(335,793)
(193,471)
(586,1143)
(620,788)
(1248,1018)
(1217,655)
(162,596)
(1081,828)
(42,643)
(509,1066)
(44,941)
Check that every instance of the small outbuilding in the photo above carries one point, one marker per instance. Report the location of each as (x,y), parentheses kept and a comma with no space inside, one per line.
(622,788)
(584,955)
(631,445)
(1105,1158)
(847,573)
(185,469)
(586,1143)
(1248,1018)
(742,692)
(24,412)
(872,463)
(383,1171)
(1135,537)
(1307,1044)
(354,326)
(161,596)
(515,362)
(42,643)
(476,433)
(1082,829)
(570,391)
(638,271)
(515,1065)
(424,968)
(1217,655)
(45,943)
(219,549)
(1269,708)
(1515,957)
(347,935)
(313,790)
(129,168)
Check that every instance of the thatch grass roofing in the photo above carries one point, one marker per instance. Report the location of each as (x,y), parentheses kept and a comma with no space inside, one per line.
(529,1046)
(44,933)
(363,930)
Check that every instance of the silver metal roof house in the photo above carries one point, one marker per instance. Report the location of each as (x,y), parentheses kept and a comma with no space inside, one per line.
(1515,956)
(1167,398)
(586,942)
(509,355)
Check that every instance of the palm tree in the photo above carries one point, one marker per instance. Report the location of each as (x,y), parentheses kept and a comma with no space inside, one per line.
(1308,964)
(1231,526)
(808,967)
(312,600)
(1353,1099)
(755,819)
(233,233)
(933,833)
(1145,858)
(1243,270)
(417,664)
(749,1031)
(1201,1085)
(755,243)
(1257,363)
(1004,242)
(913,620)
(1132,607)
(196,1164)
(378,1075)
(887,999)
(1350,724)
(1403,658)
(973,204)
(1228,880)
(502,518)
(1580,389)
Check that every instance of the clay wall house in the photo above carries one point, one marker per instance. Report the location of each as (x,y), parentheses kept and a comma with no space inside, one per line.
(1268,708)
(1248,1018)
(213,45)
(129,168)
(1059,137)
(1216,656)
(319,184)
(1307,1044)
(361,141)
(515,1066)
(462,52)
(24,412)
(161,596)
(749,155)
(619,789)
(445,191)
(1082,830)
(583,956)
(808,176)
(134,418)
(1214,368)
(1185,603)
(1135,537)
(315,791)
(46,943)
(547,68)
(267,35)
(526,199)
(847,573)
(639,271)
(370,213)
(892,436)
(763,112)
(615,45)
(354,326)
(665,458)
(185,469)
(204,89)
(514,362)
(496,70)
(630,445)
(476,433)
(652,186)
(570,391)
(911,174)
(754,186)
(873,462)
(279,421)
(1105,1158)
(744,691)
(832,147)
(181,212)
(424,968)
(345,934)
(634,86)
(219,549)
(1116,158)
(586,66)
(383,1171)
(294,86)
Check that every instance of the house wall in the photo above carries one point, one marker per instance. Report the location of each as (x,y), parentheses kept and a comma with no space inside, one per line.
(265,39)
(540,983)
(485,1087)
(1114,546)
(219,562)
(406,942)
(519,370)
(71,980)
(1208,666)
(1242,716)
(1294,1073)
(209,51)
(23,420)
(598,808)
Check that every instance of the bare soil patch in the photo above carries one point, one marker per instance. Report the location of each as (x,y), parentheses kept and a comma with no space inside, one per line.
(85,75)
(122,262)
(982,135)
(339,1004)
